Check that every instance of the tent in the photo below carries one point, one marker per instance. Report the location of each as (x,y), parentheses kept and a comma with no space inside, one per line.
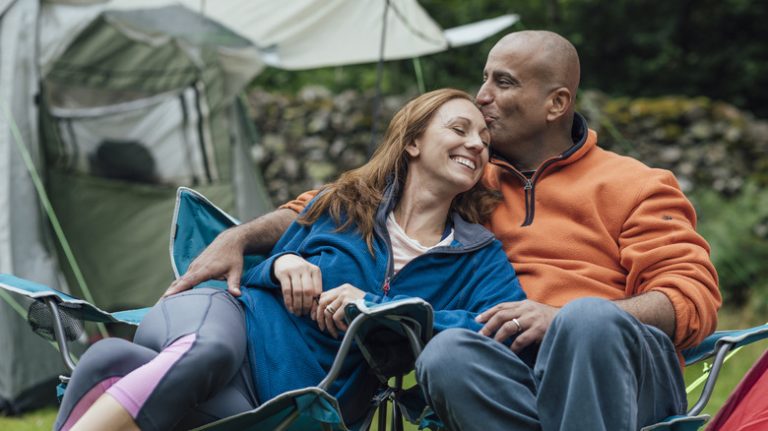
(117,103)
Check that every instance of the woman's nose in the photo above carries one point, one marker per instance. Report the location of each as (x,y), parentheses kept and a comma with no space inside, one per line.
(475,143)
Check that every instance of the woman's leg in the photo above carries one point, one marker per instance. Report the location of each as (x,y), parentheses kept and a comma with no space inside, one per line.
(106,410)
(238,396)
(102,365)
(200,335)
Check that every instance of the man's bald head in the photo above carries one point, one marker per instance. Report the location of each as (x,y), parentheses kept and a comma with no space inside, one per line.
(527,97)
(552,56)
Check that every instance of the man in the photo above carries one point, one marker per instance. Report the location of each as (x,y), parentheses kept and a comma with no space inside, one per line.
(577,222)
(617,278)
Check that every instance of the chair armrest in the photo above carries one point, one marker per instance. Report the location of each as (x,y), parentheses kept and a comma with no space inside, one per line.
(392,334)
(736,338)
(74,307)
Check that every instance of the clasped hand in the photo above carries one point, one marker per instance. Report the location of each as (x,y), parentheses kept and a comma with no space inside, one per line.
(302,286)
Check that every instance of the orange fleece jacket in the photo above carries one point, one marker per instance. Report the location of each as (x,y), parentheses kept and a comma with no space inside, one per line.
(602,225)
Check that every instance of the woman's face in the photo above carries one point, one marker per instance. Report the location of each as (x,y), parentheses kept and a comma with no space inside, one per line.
(449,157)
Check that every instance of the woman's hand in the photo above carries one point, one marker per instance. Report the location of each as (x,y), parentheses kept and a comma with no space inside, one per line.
(330,310)
(301,283)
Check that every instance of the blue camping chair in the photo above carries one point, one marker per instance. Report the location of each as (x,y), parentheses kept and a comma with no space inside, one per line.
(56,316)
(390,336)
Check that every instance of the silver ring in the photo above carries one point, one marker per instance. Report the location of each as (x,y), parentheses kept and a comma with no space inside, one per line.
(519,327)
(330,310)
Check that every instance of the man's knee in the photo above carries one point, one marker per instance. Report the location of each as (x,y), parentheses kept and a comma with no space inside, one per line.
(442,357)
(592,317)
(592,324)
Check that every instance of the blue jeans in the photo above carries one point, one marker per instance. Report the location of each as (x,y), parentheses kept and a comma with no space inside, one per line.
(598,368)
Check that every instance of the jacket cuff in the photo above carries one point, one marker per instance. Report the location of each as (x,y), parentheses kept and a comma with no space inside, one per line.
(262,275)
(689,331)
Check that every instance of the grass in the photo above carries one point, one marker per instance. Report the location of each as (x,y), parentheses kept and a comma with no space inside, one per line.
(34,421)
(732,373)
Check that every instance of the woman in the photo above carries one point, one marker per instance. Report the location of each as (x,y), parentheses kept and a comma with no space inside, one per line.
(403,225)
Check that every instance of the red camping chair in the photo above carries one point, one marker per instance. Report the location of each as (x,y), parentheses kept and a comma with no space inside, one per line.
(747,407)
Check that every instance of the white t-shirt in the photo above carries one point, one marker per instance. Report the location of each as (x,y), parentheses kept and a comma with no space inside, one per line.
(405,248)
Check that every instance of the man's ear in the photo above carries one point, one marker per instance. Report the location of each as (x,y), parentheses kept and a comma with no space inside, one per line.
(560,101)
(413,148)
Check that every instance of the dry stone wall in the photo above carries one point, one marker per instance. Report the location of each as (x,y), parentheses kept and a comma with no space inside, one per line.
(309,138)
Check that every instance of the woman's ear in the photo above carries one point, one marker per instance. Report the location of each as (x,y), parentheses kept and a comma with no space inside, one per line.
(413,148)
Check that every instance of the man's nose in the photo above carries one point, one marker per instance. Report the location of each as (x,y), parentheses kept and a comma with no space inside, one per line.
(484,95)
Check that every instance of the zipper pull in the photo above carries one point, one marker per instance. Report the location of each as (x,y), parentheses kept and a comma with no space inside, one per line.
(385,288)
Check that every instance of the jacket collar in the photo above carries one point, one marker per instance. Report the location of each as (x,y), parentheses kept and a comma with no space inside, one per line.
(466,235)
(584,139)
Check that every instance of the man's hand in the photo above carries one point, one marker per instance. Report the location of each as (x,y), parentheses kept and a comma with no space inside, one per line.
(529,320)
(301,283)
(330,310)
(221,260)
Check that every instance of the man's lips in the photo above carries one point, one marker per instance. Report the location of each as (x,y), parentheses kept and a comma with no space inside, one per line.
(488,117)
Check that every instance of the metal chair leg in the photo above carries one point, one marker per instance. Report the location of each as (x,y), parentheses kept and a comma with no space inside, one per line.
(382,416)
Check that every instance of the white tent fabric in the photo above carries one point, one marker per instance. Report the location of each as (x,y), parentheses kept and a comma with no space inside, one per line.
(306,34)
(60,24)
(479,31)
(28,361)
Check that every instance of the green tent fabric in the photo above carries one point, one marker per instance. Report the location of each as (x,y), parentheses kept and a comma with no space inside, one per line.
(118,102)
(139,103)
(133,105)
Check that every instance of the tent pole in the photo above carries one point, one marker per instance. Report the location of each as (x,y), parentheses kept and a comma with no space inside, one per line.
(379,76)
(49,209)
(419,75)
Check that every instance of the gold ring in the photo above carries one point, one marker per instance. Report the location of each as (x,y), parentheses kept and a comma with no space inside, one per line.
(330,310)
(519,327)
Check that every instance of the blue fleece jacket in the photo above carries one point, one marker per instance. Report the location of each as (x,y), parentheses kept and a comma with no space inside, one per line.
(288,352)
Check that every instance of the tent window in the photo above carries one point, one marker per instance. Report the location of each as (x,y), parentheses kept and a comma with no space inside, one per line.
(156,143)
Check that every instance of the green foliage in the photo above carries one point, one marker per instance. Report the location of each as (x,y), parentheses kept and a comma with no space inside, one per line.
(712,48)
(737,230)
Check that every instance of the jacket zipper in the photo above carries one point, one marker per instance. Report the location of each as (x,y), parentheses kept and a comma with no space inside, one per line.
(386,285)
(384,235)
(389,279)
(529,186)
(529,204)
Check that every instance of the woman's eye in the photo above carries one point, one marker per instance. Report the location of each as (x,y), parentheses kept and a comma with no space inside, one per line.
(459,130)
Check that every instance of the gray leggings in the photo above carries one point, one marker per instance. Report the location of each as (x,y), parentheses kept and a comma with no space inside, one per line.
(211,380)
